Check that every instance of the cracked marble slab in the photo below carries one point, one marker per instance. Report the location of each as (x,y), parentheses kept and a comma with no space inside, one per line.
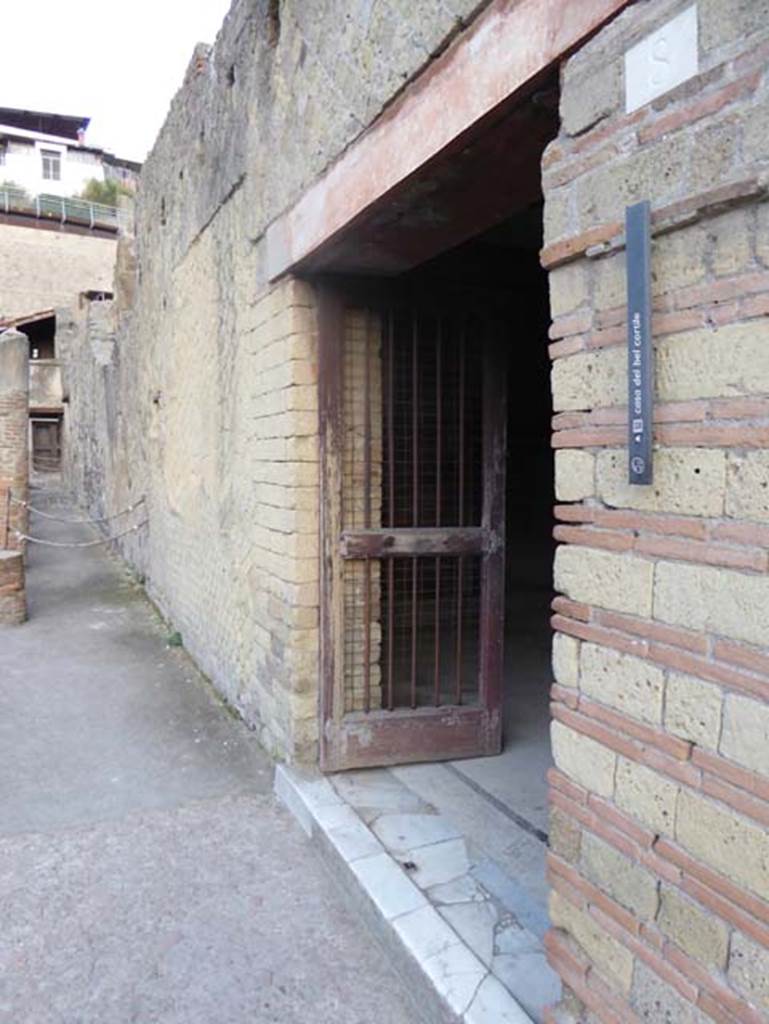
(461,890)
(404,832)
(436,864)
(475,923)
(457,974)
(376,791)
(461,917)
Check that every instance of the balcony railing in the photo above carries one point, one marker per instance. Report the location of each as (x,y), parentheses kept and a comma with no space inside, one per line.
(64,211)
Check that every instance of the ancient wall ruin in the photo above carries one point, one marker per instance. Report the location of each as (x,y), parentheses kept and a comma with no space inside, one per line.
(208,401)
(660,797)
(198,390)
(40,269)
(89,360)
(14,473)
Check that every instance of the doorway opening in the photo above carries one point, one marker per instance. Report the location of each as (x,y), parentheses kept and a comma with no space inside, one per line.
(46,442)
(435,419)
(436,503)
(439,554)
(41,332)
(412,502)
(503,266)
(444,479)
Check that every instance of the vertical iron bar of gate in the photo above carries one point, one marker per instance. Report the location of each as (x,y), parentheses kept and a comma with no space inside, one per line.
(415,495)
(367,510)
(438,457)
(390,381)
(461,515)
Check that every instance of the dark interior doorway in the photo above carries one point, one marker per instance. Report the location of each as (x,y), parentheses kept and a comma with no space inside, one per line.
(413,410)
(41,334)
(504,264)
(431,476)
(413,638)
(428,368)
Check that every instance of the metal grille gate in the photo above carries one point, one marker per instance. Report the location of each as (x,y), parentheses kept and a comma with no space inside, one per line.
(413,414)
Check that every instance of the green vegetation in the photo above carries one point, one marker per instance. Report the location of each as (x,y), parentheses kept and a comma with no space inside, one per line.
(12,186)
(104,192)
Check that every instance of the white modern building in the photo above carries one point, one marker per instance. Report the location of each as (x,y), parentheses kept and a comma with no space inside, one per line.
(45,153)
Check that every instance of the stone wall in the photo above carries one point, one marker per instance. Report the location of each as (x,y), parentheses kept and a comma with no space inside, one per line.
(40,269)
(89,363)
(198,390)
(660,796)
(208,404)
(45,384)
(14,472)
(229,474)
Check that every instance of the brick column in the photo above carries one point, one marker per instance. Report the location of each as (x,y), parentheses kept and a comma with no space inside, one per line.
(14,471)
(659,830)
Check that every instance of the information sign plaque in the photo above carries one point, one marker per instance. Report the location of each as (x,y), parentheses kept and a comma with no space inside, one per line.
(640,354)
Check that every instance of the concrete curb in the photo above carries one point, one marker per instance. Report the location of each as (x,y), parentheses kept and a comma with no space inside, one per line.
(448,982)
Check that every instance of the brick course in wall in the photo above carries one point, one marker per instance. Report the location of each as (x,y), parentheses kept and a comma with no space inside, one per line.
(14,427)
(231,553)
(13,603)
(659,859)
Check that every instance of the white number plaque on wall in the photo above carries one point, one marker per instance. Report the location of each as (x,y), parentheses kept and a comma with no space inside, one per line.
(662,60)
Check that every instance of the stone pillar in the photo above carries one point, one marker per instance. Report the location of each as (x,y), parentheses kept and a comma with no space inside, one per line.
(14,471)
(660,792)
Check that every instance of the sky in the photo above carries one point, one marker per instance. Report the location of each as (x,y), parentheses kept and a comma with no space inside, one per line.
(117,63)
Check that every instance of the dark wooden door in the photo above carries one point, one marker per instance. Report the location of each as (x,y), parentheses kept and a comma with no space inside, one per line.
(46,445)
(413,461)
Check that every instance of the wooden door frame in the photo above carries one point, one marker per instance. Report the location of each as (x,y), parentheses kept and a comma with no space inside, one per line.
(41,418)
(382,737)
(443,108)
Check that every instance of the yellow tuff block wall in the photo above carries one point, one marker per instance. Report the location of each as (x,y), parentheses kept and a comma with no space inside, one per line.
(660,794)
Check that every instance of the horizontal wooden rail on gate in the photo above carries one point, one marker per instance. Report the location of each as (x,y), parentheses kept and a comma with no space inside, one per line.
(461,540)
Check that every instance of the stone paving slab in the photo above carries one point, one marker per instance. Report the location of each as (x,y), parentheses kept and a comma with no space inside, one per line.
(520,855)
(424,880)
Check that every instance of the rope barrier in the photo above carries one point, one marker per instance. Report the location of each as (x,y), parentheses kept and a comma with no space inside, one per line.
(78,544)
(62,519)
